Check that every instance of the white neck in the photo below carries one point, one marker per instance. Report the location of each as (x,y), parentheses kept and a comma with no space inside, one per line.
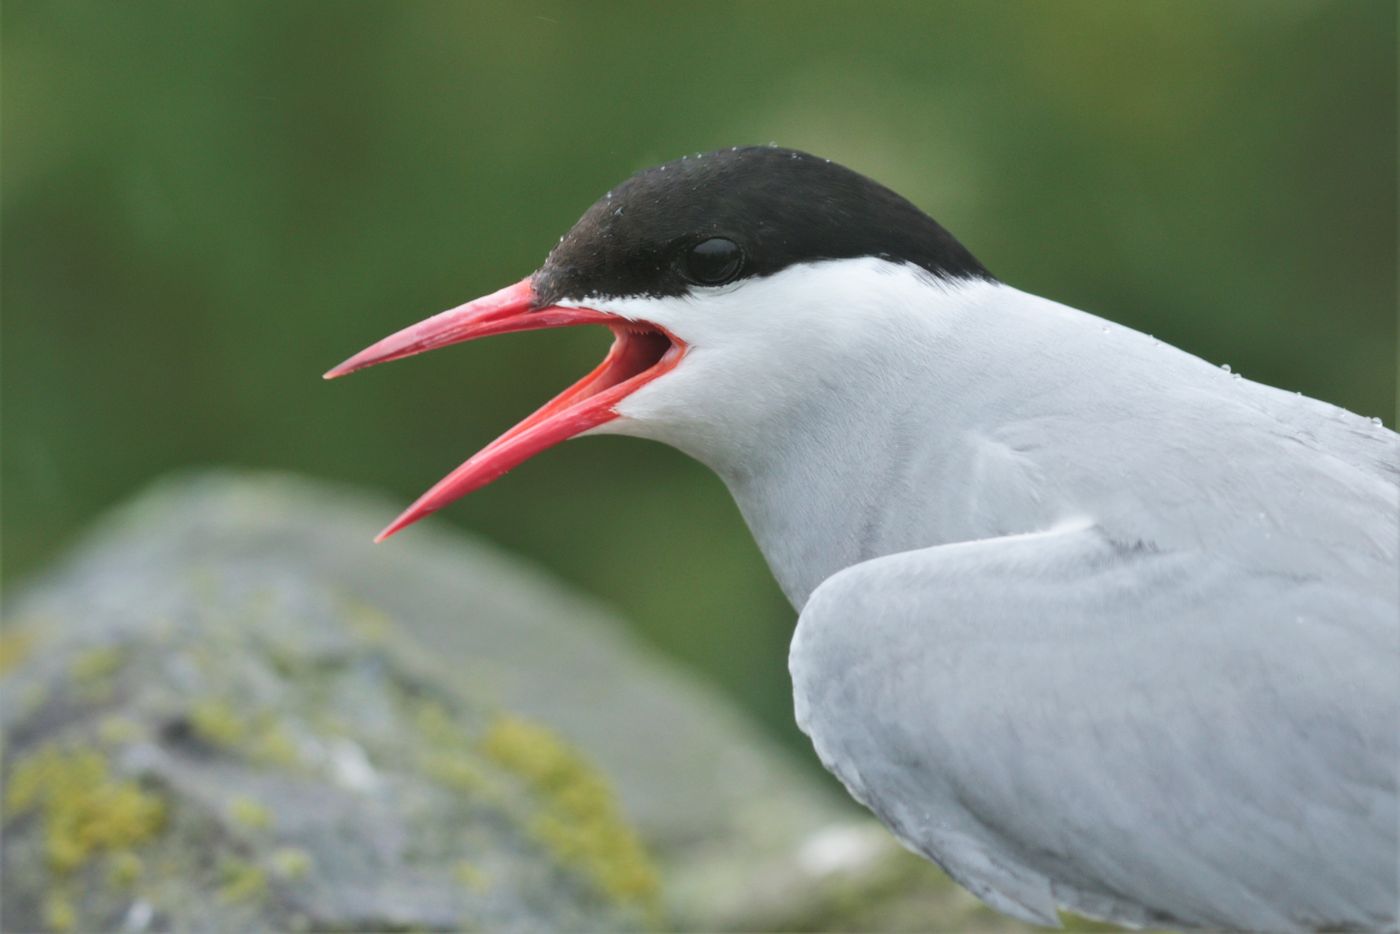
(858,408)
(840,445)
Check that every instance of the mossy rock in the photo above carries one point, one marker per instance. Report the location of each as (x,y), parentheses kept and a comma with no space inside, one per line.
(283,726)
(217,750)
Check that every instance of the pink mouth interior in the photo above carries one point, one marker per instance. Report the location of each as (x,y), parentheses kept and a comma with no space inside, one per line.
(639,354)
(634,351)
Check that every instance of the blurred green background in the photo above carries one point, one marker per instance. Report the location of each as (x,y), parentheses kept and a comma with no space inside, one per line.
(206,205)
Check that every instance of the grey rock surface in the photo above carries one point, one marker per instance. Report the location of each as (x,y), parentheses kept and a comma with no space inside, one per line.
(227,709)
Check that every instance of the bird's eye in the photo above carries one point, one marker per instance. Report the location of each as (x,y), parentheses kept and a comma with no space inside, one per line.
(714,261)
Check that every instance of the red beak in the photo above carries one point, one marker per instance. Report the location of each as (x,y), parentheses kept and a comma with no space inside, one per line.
(640,353)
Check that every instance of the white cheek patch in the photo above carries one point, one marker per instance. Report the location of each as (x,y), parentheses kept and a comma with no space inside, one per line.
(759,346)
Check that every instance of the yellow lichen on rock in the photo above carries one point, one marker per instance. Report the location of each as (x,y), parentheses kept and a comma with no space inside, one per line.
(124,868)
(85,811)
(116,730)
(95,666)
(242,881)
(435,723)
(292,863)
(449,758)
(217,723)
(244,810)
(15,643)
(579,822)
(368,622)
(470,876)
(261,738)
(59,913)
(269,744)
(455,770)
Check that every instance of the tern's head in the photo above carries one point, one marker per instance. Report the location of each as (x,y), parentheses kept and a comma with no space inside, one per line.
(734,283)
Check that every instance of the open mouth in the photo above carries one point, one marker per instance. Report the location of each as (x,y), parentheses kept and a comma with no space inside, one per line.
(639,354)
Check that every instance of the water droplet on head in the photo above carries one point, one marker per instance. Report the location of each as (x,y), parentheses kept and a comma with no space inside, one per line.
(1225,367)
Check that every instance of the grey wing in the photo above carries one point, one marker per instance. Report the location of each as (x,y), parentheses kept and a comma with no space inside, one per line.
(1145,737)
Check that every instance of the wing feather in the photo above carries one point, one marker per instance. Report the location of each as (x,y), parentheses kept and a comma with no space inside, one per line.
(1146,736)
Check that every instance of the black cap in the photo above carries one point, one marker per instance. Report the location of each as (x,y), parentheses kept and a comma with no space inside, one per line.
(778,207)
